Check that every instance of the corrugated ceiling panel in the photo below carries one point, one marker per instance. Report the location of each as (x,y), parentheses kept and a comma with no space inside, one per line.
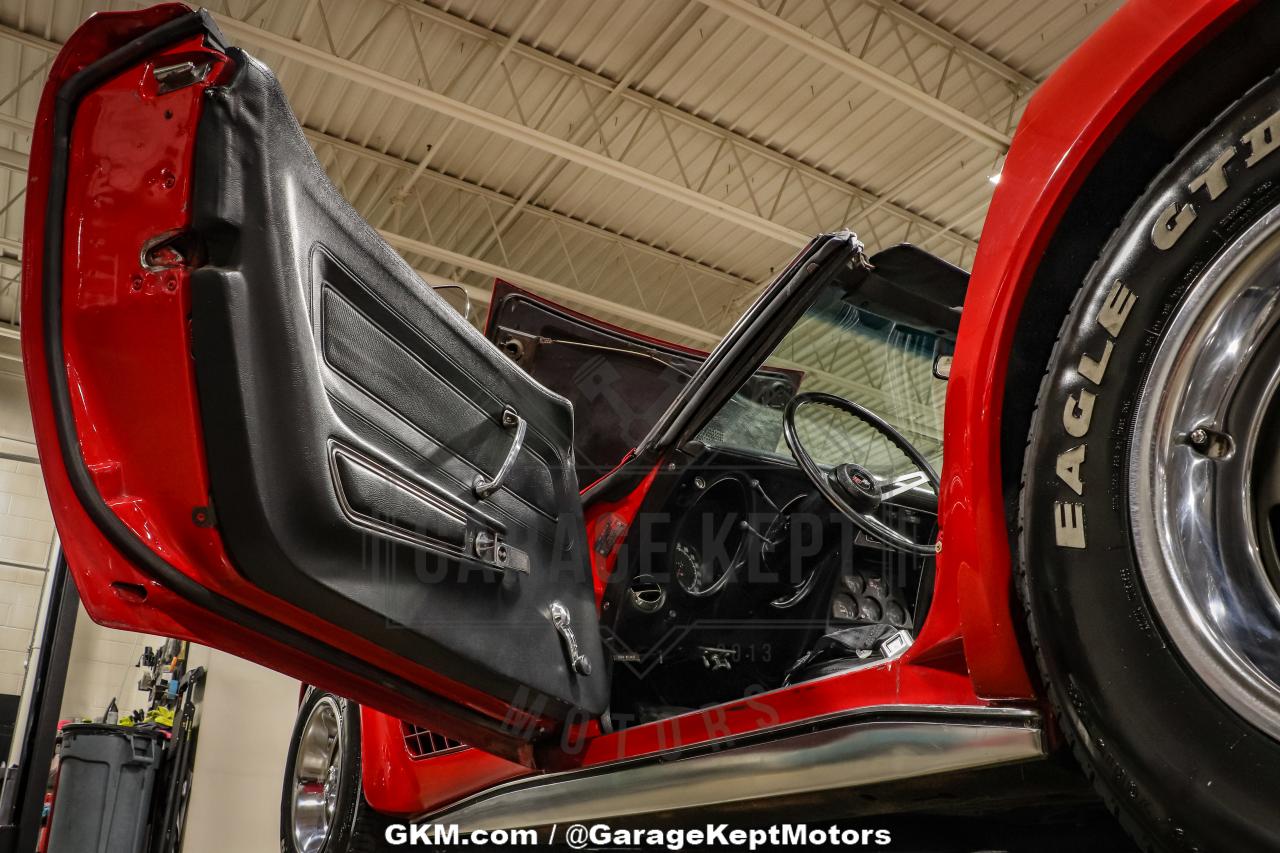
(745,120)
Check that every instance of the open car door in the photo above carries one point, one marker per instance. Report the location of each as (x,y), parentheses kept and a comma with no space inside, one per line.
(261,431)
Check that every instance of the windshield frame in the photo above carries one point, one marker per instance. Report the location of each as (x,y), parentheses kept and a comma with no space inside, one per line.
(835,256)
(843,347)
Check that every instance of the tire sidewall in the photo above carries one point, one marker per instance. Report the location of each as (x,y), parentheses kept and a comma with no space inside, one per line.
(1187,769)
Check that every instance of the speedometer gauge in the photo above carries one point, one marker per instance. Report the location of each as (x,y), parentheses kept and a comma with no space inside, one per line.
(708,536)
(690,573)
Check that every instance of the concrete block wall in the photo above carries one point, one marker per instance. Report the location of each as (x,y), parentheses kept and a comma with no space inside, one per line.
(26,533)
(102,667)
(26,525)
(19,596)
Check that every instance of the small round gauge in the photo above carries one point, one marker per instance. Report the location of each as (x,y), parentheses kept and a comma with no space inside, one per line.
(852,580)
(870,610)
(895,613)
(690,572)
(843,607)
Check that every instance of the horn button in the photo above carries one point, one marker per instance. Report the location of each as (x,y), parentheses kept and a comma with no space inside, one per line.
(857,485)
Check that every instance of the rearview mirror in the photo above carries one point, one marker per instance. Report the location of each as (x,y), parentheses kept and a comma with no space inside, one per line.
(942,367)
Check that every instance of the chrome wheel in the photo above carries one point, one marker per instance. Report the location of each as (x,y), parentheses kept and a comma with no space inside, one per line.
(1204,477)
(317,767)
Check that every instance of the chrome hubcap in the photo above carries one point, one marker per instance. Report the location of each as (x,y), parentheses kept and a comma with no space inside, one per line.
(1203,476)
(316,770)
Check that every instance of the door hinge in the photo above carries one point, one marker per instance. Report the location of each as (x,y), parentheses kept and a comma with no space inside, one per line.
(170,78)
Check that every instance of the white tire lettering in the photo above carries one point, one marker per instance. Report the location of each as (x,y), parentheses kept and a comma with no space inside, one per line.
(1214,179)
(1068,526)
(1171,224)
(1262,139)
(1068,467)
(1077,414)
(1115,310)
(1095,370)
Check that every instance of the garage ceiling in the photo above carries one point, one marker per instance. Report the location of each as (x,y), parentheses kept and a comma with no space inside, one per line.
(652,163)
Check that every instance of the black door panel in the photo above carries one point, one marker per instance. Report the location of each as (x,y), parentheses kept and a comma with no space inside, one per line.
(348,412)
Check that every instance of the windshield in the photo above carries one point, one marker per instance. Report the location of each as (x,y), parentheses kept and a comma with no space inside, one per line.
(848,351)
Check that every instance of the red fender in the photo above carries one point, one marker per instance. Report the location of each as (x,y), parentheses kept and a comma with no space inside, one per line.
(1067,126)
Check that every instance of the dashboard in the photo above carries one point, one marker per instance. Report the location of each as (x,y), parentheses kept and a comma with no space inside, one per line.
(745,569)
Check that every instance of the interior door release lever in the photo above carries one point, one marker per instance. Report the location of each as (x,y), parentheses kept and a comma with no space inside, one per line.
(577,660)
(483,486)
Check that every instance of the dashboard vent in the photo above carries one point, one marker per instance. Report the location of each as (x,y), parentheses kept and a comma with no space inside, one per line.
(420,742)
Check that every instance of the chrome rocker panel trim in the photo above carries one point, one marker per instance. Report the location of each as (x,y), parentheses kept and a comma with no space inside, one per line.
(868,746)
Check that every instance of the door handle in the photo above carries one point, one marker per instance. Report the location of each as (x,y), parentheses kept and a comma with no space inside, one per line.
(484,486)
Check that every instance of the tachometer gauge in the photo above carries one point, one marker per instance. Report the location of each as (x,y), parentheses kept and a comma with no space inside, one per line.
(690,573)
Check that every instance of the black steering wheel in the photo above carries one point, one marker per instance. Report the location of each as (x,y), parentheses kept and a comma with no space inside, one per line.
(850,488)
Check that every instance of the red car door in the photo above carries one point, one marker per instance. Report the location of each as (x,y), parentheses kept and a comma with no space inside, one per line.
(261,431)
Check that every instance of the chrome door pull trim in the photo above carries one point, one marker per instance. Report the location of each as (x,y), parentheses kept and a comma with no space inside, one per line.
(483,486)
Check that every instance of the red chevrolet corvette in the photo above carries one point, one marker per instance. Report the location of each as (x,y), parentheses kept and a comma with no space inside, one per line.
(790,571)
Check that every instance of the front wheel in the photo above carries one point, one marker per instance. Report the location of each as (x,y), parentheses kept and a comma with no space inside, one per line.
(322,807)
(1150,505)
